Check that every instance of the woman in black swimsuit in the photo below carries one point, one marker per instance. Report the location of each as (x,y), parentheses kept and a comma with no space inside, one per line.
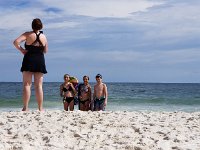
(67,91)
(33,64)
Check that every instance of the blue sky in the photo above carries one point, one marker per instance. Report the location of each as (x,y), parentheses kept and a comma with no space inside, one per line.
(124,40)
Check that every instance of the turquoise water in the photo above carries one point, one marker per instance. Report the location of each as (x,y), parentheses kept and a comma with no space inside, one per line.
(122,96)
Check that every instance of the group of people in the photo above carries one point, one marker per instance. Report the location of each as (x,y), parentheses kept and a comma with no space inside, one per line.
(83,92)
(33,65)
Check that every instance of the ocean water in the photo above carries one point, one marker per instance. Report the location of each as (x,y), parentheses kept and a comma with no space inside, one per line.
(122,97)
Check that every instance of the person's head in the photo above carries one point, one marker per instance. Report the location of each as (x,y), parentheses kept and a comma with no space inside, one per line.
(37,24)
(98,77)
(66,77)
(85,79)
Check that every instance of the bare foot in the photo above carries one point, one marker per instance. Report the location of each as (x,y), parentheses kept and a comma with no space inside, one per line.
(25,109)
(41,110)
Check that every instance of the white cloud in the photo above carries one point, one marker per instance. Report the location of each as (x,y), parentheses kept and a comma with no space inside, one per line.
(175,20)
(172,57)
(154,57)
(20,19)
(64,24)
(14,20)
(103,8)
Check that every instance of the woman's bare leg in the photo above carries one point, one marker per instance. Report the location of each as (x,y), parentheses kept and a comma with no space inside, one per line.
(87,106)
(66,106)
(27,81)
(38,82)
(82,107)
(71,105)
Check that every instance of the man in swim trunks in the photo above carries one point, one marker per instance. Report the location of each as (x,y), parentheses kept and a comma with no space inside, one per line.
(100,95)
(84,94)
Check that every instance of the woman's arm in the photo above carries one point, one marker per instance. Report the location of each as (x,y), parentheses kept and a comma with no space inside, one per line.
(74,90)
(46,45)
(90,93)
(61,90)
(18,41)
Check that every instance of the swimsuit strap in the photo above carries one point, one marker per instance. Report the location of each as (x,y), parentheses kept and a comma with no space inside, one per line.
(37,36)
(37,39)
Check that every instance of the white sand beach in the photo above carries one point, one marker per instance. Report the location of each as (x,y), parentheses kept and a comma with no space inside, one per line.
(57,130)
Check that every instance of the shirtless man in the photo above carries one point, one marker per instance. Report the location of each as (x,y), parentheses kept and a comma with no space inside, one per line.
(100,95)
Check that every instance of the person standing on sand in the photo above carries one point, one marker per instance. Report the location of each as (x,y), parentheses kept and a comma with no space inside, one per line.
(33,64)
(67,91)
(84,94)
(100,96)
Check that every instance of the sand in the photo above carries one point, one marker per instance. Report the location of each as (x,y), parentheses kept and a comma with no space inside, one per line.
(57,130)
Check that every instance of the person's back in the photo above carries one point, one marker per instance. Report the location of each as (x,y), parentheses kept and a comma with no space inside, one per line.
(36,40)
(34,60)
(33,64)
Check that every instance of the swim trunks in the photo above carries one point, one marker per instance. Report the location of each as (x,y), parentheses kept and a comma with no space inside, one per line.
(99,104)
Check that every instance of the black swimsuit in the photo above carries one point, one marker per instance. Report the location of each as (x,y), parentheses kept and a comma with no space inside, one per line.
(83,102)
(69,89)
(34,60)
(67,99)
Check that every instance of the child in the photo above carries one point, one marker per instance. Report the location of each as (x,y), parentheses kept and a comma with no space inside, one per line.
(100,95)
(67,91)
(84,94)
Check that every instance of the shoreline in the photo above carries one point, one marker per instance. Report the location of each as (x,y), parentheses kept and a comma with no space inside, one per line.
(55,129)
(136,108)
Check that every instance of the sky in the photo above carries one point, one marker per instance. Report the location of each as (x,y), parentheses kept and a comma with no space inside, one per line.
(124,40)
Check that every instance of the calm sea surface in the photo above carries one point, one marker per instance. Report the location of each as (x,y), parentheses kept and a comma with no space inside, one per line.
(122,96)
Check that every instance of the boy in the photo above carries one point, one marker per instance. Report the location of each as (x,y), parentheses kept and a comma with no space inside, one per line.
(100,95)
